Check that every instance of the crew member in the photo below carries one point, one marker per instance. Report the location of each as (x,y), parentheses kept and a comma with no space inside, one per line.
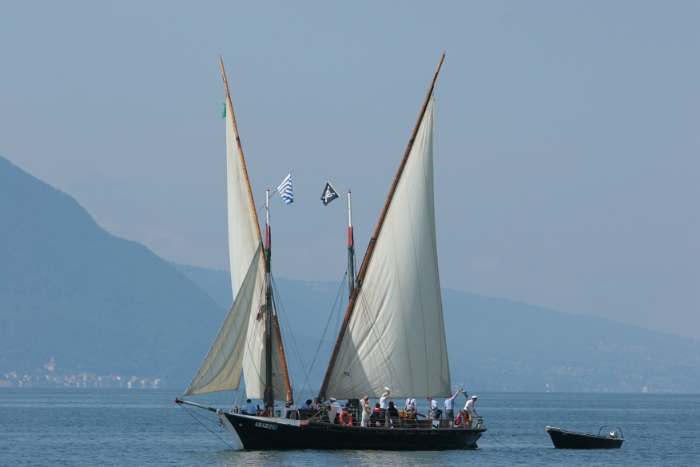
(434,412)
(470,408)
(410,408)
(450,407)
(334,409)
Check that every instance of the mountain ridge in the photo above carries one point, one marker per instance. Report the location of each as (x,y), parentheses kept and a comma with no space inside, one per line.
(94,301)
(546,350)
(106,305)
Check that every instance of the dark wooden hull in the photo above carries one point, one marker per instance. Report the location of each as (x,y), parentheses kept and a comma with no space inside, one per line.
(271,433)
(571,440)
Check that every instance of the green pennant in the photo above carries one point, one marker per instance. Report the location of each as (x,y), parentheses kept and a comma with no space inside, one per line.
(223,112)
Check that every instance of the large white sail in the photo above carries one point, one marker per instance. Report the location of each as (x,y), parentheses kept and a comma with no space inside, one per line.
(221,368)
(242,232)
(396,334)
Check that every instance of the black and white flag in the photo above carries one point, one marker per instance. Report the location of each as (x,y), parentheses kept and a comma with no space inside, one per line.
(328,195)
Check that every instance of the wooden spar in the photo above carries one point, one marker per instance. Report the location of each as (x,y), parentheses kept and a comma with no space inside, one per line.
(373,240)
(285,372)
(283,359)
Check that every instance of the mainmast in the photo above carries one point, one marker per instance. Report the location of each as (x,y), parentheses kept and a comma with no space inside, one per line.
(373,240)
(351,251)
(271,321)
(269,395)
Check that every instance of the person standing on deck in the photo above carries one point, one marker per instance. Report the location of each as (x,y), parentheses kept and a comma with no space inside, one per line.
(434,412)
(288,411)
(334,409)
(366,411)
(384,405)
(450,407)
(470,408)
(410,408)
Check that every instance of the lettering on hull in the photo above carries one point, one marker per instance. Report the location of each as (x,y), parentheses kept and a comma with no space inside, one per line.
(268,426)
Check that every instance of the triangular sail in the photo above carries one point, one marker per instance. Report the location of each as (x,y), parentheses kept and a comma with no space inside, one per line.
(243,233)
(395,336)
(221,368)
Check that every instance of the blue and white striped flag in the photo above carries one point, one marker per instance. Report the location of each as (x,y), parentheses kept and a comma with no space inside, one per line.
(285,189)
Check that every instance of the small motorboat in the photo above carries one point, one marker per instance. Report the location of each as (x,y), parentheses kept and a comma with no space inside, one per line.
(563,439)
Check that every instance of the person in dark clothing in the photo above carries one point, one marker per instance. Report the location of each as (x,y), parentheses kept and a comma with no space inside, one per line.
(393,414)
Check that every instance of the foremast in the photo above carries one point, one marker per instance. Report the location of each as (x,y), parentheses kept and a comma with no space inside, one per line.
(370,248)
(272,324)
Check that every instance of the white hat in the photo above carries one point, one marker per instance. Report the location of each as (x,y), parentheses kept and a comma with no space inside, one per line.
(387,389)
(473,397)
(332,399)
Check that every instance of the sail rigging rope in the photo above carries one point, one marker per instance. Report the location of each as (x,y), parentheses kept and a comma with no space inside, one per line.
(197,418)
(282,312)
(323,336)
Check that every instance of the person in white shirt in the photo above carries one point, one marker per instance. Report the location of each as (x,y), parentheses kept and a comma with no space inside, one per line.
(334,409)
(366,411)
(450,406)
(434,412)
(384,405)
(470,408)
(410,408)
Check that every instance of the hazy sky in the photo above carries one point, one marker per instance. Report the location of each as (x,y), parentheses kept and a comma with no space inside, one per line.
(567,134)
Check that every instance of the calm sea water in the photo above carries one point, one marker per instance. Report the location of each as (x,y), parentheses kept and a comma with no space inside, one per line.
(84,427)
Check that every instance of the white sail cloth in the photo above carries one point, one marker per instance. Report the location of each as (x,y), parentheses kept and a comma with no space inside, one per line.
(396,334)
(243,237)
(240,344)
(221,368)
(243,241)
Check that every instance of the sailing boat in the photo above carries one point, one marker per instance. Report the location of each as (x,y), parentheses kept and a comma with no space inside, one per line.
(392,333)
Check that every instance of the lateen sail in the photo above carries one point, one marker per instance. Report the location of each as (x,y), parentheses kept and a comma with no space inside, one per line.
(221,369)
(396,335)
(243,247)
(243,234)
